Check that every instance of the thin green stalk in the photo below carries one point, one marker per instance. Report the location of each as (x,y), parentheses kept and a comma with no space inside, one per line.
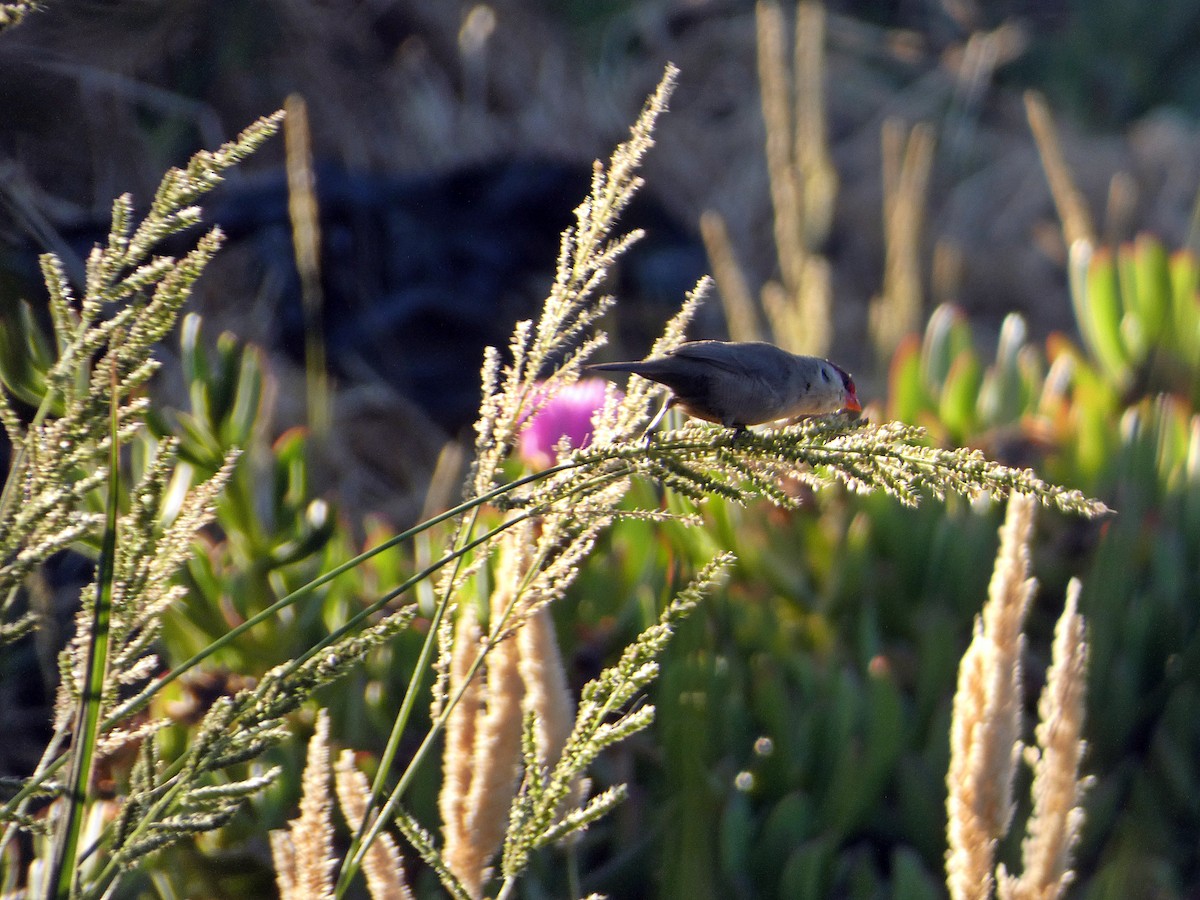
(350,865)
(108,874)
(409,583)
(162,884)
(367,833)
(410,692)
(369,828)
(140,700)
(420,576)
(87,721)
(353,860)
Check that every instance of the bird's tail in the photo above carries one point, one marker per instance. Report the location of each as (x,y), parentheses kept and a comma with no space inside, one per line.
(636,368)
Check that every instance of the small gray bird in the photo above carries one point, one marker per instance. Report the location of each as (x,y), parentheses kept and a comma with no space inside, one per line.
(736,384)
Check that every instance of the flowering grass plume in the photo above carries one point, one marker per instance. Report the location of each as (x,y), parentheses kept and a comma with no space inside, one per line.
(986,728)
(565,334)
(1058,789)
(130,302)
(700,459)
(482,761)
(88,396)
(303,853)
(89,399)
(605,717)
(383,865)
(985,738)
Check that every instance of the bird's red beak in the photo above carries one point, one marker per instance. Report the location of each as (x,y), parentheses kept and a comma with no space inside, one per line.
(851,405)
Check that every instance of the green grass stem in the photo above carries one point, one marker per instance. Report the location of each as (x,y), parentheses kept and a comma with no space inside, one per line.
(87,721)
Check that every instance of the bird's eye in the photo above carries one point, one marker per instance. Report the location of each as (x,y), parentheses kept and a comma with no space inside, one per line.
(824,374)
(847,381)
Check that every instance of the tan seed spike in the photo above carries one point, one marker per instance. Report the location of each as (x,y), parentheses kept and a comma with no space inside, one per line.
(1057,817)
(460,741)
(303,854)
(383,865)
(986,724)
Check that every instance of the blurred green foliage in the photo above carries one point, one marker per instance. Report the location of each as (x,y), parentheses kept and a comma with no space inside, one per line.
(1105,59)
(1137,312)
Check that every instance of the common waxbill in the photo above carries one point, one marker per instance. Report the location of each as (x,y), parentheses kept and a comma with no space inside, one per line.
(736,384)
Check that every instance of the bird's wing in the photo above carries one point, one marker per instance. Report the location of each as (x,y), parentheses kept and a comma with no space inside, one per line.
(726,356)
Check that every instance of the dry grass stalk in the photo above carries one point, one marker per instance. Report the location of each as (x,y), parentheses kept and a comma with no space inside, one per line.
(1057,818)
(803,184)
(1072,209)
(383,865)
(986,725)
(304,214)
(303,854)
(740,317)
(775,84)
(802,178)
(498,734)
(800,321)
(1120,210)
(907,164)
(974,73)
(818,177)
(946,275)
(546,693)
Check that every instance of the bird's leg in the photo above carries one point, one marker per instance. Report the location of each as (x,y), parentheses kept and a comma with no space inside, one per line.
(658,417)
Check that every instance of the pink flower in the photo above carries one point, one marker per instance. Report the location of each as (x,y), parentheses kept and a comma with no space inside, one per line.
(569,412)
